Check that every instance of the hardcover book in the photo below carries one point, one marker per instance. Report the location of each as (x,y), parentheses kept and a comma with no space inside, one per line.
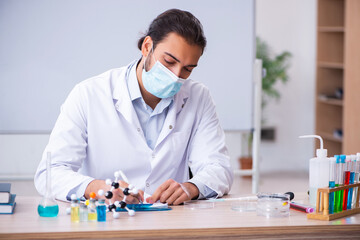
(8,208)
(5,192)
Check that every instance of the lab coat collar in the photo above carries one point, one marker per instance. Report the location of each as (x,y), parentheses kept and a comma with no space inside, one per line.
(133,84)
(119,86)
(121,97)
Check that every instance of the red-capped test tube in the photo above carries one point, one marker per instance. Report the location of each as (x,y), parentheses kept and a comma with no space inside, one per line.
(346,180)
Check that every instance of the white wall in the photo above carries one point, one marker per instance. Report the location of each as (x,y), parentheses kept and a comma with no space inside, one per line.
(285,25)
(20,154)
(290,25)
(52,32)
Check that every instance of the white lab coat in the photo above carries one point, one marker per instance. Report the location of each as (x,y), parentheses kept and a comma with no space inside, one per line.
(98,133)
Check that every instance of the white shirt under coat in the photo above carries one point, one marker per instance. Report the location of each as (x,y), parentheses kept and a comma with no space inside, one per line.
(98,133)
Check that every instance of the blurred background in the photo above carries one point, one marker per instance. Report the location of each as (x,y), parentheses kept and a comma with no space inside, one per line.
(286,33)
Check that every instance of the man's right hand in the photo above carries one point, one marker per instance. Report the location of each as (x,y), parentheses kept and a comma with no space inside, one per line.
(118,195)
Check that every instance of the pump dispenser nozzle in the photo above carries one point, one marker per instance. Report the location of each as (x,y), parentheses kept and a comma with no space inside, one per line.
(321,152)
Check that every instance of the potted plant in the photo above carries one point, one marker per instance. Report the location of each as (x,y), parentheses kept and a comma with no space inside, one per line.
(276,70)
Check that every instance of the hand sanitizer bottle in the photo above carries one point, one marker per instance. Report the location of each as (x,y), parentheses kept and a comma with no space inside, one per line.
(318,170)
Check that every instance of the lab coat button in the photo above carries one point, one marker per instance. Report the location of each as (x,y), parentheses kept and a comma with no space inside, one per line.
(147,184)
(138,129)
(170,126)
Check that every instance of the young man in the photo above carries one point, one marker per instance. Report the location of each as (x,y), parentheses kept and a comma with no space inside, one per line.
(146,119)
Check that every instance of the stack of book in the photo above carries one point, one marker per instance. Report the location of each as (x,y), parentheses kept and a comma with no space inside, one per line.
(7,200)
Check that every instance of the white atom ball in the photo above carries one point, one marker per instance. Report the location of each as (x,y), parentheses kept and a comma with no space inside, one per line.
(116,215)
(101,192)
(131,212)
(108,181)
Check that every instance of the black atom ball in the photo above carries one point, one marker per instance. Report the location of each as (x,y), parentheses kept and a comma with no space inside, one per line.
(115,185)
(122,204)
(126,192)
(108,195)
(111,207)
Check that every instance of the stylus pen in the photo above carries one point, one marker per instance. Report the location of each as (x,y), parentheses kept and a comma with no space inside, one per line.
(301,207)
(253,198)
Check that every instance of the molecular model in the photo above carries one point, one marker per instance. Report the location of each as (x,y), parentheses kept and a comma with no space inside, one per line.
(94,209)
(126,191)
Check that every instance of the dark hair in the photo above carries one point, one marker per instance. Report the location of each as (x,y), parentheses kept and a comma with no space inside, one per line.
(181,22)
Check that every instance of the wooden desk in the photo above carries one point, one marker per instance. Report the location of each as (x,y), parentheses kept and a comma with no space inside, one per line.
(180,223)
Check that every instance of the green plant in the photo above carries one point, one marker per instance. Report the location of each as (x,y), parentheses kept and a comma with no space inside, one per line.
(276,70)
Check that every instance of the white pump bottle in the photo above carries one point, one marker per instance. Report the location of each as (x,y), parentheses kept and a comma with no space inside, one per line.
(318,170)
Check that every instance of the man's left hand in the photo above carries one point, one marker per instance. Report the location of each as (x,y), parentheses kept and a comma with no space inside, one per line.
(172,192)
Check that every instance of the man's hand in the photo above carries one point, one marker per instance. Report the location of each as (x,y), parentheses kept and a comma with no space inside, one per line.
(172,192)
(118,195)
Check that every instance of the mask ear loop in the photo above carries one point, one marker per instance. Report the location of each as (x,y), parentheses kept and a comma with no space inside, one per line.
(152,49)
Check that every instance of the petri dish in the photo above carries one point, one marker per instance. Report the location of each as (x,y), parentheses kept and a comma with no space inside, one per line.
(273,205)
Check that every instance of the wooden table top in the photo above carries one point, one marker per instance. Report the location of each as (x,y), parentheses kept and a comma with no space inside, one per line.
(180,222)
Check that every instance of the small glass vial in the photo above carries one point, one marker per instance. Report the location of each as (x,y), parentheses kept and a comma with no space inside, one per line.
(75,217)
(48,206)
(92,215)
(101,210)
(83,213)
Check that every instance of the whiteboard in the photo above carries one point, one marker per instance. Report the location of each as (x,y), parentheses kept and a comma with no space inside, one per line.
(47,47)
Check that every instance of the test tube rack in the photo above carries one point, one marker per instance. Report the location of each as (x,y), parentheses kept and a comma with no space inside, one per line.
(322,204)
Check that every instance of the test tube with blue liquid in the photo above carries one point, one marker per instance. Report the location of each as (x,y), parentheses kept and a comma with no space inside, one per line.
(48,206)
(357,171)
(332,174)
(346,181)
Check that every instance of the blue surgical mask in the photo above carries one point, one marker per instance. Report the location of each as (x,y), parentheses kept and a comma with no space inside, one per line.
(160,81)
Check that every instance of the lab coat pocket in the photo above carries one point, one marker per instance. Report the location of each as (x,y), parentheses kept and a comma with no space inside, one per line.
(180,141)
